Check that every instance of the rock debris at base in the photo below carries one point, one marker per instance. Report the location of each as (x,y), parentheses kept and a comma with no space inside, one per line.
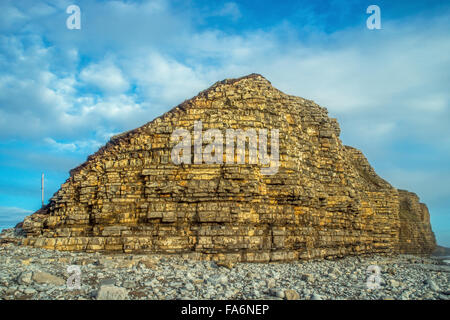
(34,273)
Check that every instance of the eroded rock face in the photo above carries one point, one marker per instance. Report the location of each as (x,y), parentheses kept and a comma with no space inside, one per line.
(324,201)
(415,235)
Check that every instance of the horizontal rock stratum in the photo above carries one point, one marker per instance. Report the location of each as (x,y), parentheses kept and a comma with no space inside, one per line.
(324,200)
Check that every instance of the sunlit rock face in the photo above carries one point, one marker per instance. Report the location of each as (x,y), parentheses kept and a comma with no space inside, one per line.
(323,199)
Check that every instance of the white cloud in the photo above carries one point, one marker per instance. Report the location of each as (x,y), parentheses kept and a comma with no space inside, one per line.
(164,80)
(380,84)
(61,146)
(388,78)
(9,17)
(229,9)
(105,76)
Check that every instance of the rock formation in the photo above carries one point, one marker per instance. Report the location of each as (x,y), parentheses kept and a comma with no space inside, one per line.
(415,235)
(325,200)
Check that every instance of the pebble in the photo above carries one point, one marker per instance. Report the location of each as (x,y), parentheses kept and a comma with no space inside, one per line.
(270,283)
(291,294)
(25,278)
(307,277)
(29,291)
(110,292)
(315,296)
(432,285)
(45,277)
(189,286)
(394,283)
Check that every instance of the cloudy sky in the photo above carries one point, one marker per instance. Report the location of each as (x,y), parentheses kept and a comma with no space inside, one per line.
(64,93)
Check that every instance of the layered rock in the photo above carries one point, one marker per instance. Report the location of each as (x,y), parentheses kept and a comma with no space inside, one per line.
(324,200)
(415,235)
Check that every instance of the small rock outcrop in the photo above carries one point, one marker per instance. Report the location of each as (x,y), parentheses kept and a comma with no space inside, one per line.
(323,199)
(441,251)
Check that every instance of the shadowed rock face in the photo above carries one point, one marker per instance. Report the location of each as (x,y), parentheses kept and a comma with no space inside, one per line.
(415,235)
(324,201)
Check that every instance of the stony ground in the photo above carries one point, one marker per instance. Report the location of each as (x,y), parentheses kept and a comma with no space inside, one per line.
(29,273)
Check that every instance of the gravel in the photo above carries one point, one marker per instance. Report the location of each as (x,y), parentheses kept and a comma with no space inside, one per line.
(31,273)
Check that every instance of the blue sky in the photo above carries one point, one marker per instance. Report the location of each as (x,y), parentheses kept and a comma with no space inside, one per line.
(64,93)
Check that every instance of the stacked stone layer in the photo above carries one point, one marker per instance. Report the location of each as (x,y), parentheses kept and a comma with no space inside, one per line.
(415,235)
(324,201)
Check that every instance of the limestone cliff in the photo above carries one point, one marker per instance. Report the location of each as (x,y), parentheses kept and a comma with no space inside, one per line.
(325,200)
(415,235)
